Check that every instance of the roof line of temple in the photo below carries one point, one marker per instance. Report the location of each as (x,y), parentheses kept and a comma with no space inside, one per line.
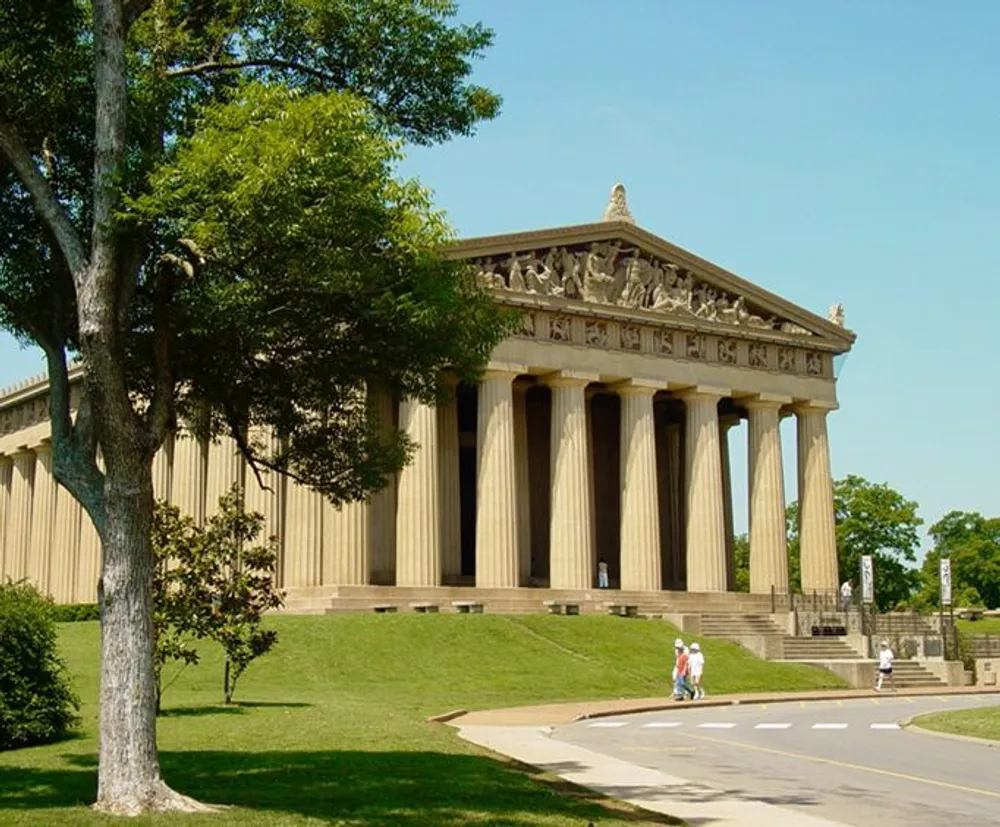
(38,382)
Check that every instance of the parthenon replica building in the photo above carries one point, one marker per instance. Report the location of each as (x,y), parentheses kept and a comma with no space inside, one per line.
(598,432)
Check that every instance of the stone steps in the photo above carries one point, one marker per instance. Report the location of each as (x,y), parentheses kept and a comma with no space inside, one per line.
(909,673)
(817,648)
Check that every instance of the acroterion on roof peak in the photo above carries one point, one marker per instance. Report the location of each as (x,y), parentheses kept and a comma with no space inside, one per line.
(617,209)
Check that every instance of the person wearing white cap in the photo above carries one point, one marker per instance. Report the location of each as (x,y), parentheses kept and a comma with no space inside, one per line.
(696,668)
(680,673)
(885,658)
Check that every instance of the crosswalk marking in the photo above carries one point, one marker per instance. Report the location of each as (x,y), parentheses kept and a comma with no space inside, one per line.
(608,724)
(772,726)
(661,724)
(884,726)
(829,726)
(716,725)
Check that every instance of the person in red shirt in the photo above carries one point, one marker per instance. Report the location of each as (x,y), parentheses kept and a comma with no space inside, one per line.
(681,688)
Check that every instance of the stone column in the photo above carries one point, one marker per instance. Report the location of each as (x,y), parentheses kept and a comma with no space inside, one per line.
(571,534)
(640,517)
(725,424)
(66,542)
(451,493)
(768,538)
(224,470)
(267,497)
(19,525)
(303,535)
(89,569)
(41,551)
(6,538)
(418,517)
(522,482)
(347,533)
(706,519)
(497,529)
(188,482)
(163,464)
(817,529)
(382,565)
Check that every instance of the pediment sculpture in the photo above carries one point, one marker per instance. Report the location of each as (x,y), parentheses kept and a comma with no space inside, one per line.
(607,272)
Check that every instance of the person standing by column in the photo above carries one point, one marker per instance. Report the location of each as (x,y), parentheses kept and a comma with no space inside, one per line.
(602,574)
(846,593)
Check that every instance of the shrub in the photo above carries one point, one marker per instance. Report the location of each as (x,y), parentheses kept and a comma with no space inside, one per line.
(37,704)
(75,612)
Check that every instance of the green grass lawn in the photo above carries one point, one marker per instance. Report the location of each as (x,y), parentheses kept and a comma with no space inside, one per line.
(983,626)
(979,723)
(330,728)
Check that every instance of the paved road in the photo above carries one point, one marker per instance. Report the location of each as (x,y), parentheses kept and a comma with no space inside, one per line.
(847,761)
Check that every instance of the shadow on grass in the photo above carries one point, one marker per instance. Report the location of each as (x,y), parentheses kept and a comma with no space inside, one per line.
(235,708)
(404,789)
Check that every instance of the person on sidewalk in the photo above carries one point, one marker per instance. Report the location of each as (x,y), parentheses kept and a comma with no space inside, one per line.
(602,574)
(680,674)
(885,657)
(696,668)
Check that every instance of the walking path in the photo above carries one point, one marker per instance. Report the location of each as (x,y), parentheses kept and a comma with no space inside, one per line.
(524,734)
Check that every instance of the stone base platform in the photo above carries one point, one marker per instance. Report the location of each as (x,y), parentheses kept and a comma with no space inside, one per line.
(335,599)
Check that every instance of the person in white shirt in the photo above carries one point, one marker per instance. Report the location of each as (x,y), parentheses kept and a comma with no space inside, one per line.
(846,591)
(696,668)
(885,657)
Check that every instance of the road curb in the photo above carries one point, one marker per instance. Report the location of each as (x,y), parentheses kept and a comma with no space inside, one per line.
(908,724)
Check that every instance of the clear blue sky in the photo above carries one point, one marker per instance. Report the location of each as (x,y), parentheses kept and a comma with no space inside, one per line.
(830,152)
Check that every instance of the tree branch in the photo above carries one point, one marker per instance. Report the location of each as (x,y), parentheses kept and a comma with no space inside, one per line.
(245,448)
(160,415)
(211,66)
(134,9)
(44,199)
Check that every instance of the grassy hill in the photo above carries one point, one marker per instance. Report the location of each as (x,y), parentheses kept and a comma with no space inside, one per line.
(330,728)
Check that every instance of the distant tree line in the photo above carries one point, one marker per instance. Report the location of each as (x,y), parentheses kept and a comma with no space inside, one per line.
(875,519)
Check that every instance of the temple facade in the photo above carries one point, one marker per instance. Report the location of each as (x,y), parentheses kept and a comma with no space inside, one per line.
(598,432)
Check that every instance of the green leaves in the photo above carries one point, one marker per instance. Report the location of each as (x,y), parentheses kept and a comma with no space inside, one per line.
(972,541)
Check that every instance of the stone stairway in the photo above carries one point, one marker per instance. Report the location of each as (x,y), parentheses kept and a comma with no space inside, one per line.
(817,649)
(734,626)
(910,673)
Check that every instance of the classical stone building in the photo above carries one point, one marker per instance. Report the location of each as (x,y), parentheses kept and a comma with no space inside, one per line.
(598,431)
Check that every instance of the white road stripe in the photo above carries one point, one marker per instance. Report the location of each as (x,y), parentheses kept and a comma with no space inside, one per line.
(608,724)
(772,726)
(716,725)
(661,724)
(884,726)
(829,726)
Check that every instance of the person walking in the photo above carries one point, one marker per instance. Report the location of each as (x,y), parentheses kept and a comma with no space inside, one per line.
(680,673)
(846,593)
(885,658)
(696,669)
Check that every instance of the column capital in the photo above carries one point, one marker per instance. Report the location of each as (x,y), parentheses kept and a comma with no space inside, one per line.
(638,387)
(703,393)
(569,379)
(765,401)
(815,406)
(495,370)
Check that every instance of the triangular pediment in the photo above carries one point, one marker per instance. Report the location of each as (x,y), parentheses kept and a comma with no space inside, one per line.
(615,264)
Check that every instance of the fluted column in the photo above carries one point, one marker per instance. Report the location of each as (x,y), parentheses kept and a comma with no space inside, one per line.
(768,538)
(640,517)
(223,472)
(6,542)
(725,424)
(522,482)
(188,483)
(89,567)
(817,529)
(303,535)
(41,551)
(267,498)
(497,530)
(451,503)
(571,535)
(418,517)
(347,533)
(706,521)
(163,464)
(382,565)
(19,527)
(66,542)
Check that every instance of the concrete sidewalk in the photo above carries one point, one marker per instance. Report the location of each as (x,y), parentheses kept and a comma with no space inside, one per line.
(565,713)
(642,787)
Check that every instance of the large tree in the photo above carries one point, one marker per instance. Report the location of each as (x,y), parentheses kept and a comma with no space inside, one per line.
(197,201)
(871,519)
(972,542)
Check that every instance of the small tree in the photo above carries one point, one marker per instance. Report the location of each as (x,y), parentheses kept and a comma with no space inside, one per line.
(37,704)
(212,583)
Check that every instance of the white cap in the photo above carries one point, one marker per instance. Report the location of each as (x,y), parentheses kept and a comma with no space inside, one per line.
(678,644)
(695,647)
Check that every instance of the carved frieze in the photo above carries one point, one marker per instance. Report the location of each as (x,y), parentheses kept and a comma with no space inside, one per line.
(596,334)
(28,413)
(695,346)
(664,341)
(528,325)
(727,351)
(561,329)
(757,356)
(814,364)
(611,273)
(786,359)
(632,337)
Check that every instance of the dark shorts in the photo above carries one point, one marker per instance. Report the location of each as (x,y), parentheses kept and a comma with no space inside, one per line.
(886,671)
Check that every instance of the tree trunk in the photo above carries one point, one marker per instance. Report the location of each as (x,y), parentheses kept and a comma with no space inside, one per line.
(128,781)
